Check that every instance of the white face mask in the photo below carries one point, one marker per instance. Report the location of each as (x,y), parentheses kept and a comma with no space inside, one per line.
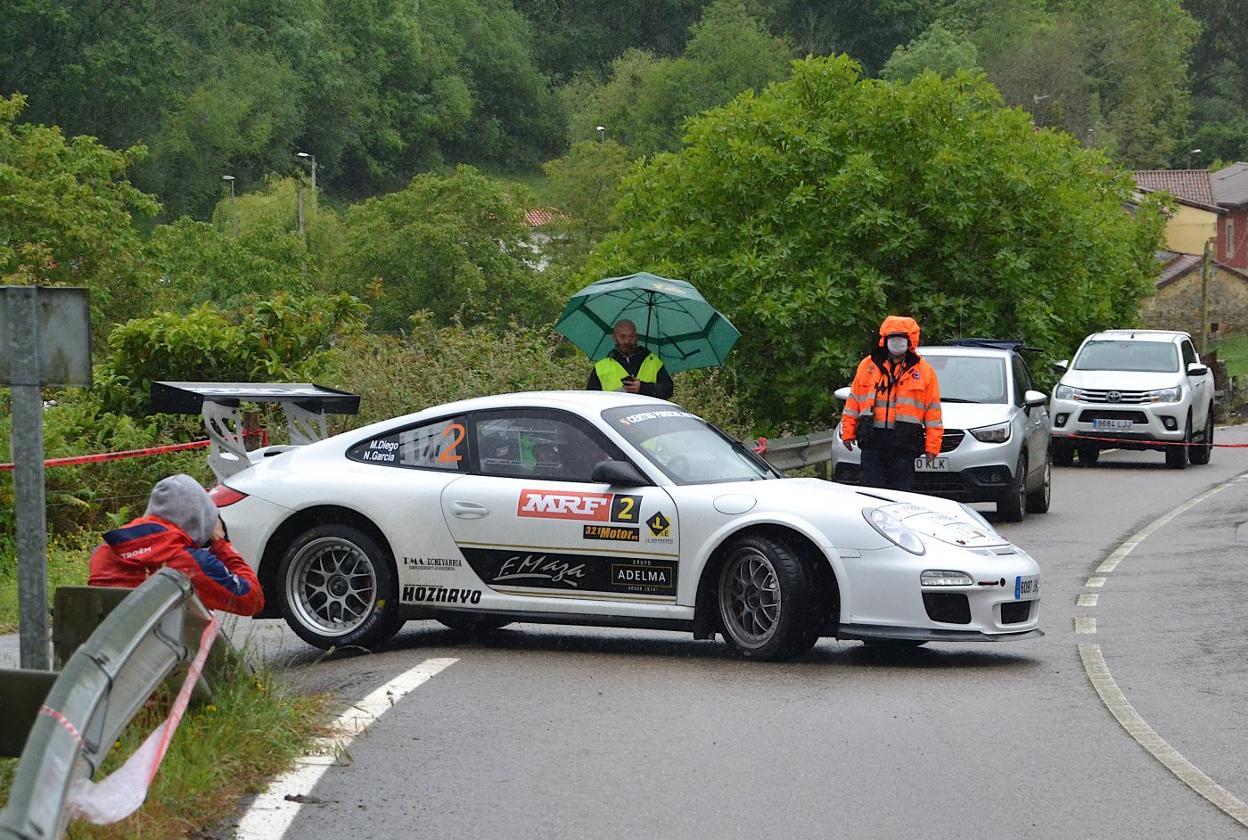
(897,344)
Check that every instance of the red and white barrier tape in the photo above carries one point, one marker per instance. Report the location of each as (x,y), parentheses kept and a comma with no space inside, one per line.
(125,789)
(1150,442)
(117,456)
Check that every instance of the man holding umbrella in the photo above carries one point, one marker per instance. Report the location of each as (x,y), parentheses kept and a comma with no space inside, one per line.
(630,368)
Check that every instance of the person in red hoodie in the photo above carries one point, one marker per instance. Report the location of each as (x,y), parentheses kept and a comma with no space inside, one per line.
(181,529)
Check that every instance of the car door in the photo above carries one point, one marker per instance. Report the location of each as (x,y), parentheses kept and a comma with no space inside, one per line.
(1035,418)
(1202,387)
(530,522)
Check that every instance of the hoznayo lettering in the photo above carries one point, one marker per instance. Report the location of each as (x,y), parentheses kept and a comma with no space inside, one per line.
(413,594)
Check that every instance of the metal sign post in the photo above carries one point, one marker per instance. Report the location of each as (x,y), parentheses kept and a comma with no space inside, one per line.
(47,343)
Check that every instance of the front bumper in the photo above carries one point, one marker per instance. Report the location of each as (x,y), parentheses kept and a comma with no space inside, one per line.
(1152,425)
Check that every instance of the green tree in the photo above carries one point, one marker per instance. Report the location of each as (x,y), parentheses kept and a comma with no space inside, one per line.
(938,49)
(813,210)
(1219,82)
(66,211)
(455,245)
(585,185)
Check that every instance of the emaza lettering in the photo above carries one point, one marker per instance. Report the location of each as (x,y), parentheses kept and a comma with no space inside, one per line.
(540,567)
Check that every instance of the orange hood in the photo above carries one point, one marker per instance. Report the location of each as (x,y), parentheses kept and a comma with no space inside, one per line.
(894,324)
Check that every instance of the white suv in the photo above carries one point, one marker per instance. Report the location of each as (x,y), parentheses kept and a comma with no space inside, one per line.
(1134,389)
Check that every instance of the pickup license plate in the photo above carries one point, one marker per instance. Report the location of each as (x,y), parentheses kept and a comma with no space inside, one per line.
(934,465)
(1026,587)
(1111,424)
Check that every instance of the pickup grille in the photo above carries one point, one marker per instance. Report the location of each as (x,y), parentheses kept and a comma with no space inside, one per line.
(1123,397)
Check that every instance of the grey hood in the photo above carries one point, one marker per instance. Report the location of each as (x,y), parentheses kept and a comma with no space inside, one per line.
(181,500)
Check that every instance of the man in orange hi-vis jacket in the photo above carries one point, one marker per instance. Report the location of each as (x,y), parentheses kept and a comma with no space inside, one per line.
(893,412)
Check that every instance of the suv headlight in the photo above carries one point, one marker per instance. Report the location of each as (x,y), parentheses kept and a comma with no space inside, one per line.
(1064,392)
(1167,395)
(894,530)
(999,433)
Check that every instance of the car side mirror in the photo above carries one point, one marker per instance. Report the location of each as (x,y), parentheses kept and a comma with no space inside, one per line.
(1061,365)
(842,393)
(617,474)
(1034,398)
(1197,369)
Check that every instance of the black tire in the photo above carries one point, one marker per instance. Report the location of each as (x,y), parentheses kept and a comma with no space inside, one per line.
(338,588)
(767,599)
(472,623)
(1200,455)
(1089,454)
(1063,453)
(1014,508)
(1038,499)
(1176,456)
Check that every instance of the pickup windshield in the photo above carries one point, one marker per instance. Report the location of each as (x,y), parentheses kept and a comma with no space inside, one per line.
(1152,356)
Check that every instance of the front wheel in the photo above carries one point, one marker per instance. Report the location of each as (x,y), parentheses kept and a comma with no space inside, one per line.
(1063,453)
(1089,454)
(767,599)
(1176,456)
(1038,499)
(338,588)
(1014,508)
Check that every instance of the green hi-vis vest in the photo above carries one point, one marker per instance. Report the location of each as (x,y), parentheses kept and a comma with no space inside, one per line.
(611,373)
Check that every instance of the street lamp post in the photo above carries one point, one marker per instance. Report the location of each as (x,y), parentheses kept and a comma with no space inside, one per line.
(1189,156)
(602,134)
(310,159)
(233,207)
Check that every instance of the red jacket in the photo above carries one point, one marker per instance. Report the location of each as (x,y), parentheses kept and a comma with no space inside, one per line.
(221,577)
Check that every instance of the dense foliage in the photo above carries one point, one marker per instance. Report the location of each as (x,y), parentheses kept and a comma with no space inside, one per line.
(813,210)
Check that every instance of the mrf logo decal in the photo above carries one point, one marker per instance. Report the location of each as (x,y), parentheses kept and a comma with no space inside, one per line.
(660,526)
(593,507)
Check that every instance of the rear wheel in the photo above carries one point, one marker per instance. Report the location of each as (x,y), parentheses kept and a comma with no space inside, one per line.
(1014,508)
(1200,454)
(767,599)
(1038,500)
(338,588)
(1089,454)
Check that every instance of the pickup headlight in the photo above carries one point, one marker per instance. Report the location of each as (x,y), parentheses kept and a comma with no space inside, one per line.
(1167,395)
(1064,392)
(894,530)
(999,433)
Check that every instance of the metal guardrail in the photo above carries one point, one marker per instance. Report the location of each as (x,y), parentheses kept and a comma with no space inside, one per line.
(155,629)
(790,453)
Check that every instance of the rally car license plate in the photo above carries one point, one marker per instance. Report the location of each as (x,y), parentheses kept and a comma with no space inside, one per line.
(1026,587)
(934,465)
(1111,424)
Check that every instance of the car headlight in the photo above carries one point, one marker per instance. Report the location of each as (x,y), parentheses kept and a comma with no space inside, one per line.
(893,530)
(1167,395)
(999,433)
(1064,392)
(944,577)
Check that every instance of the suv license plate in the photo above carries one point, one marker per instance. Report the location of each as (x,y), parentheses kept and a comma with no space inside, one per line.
(934,465)
(1026,588)
(1111,424)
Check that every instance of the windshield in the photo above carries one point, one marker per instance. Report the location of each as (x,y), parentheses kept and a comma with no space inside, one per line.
(685,447)
(977,379)
(1154,356)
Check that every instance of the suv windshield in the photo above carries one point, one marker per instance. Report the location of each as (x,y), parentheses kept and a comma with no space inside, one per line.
(685,447)
(977,379)
(1153,356)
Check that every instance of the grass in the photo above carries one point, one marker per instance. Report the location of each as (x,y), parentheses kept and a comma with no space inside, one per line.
(1234,352)
(67,566)
(223,751)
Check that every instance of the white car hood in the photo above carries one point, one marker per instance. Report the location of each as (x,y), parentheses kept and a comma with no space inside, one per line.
(973,415)
(1121,380)
(954,530)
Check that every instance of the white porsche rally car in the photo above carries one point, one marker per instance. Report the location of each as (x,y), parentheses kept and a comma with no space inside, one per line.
(607,509)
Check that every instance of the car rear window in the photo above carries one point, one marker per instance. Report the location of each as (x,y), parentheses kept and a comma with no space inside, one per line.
(1152,356)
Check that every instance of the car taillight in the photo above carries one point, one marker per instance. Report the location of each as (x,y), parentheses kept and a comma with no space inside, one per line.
(225,496)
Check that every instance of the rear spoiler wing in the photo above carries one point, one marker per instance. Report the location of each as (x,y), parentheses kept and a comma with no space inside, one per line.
(304,404)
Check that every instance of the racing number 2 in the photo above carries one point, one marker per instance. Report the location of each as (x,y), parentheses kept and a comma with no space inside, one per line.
(624,508)
(456,432)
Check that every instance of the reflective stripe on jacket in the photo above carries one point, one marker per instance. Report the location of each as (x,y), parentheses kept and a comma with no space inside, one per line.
(612,374)
(894,394)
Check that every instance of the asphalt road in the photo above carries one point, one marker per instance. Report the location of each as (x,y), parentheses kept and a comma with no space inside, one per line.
(572,733)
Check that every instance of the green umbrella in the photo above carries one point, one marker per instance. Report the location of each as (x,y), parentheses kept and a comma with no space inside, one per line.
(672,320)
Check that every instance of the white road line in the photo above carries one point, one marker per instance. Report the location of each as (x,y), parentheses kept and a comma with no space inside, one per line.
(1138,728)
(1120,553)
(1095,582)
(272,812)
(1087,600)
(1085,625)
